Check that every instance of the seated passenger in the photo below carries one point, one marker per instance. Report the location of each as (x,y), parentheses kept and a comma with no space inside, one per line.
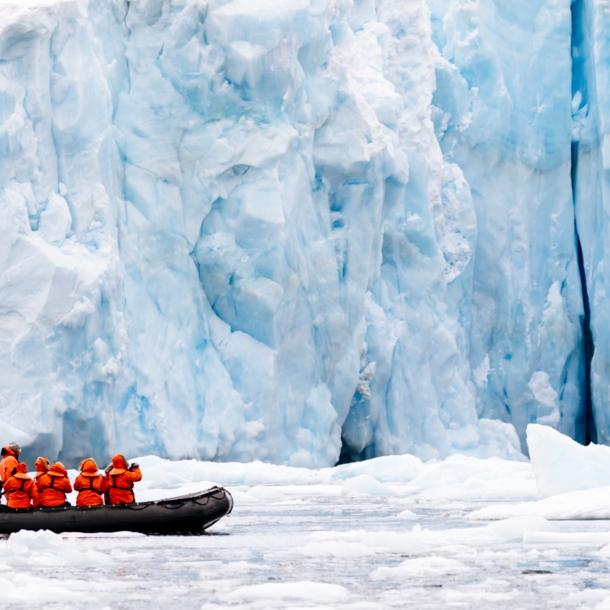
(10,459)
(89,484)
(53,486)
(119,480)
(19,489)
(42,466)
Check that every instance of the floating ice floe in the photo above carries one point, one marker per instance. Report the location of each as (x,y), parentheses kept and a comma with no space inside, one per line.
(456,477)
(573,480)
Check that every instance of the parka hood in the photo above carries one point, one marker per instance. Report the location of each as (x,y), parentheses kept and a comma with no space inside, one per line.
(58,469)
(22,470)
(88,468)
(41,465)
(119,464)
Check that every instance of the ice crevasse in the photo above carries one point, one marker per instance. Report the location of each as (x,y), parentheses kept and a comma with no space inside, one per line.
(294,230)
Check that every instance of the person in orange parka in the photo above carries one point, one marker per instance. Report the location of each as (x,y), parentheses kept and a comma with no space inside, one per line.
(119,480)
(20,490)
(42,466)
(53,486)
(10,459)
(89,484)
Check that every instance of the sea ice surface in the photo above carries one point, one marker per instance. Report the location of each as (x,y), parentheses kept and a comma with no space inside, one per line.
(294,540)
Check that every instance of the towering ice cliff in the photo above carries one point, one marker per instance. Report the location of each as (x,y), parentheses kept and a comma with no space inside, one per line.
(292,229)
(503,114)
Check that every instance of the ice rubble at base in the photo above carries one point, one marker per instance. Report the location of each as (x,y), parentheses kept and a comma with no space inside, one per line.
(405,477)
(458,477)
(573,481)
(305,528)
(238,231)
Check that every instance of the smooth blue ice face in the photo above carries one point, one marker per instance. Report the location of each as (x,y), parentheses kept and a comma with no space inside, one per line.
(503,113)
(284,229)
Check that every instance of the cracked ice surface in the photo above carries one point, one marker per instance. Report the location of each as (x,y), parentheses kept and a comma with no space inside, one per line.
(335,538)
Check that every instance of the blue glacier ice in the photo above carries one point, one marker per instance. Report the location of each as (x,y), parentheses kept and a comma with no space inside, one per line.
(299,230)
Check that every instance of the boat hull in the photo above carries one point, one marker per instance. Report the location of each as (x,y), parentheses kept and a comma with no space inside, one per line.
(185,514)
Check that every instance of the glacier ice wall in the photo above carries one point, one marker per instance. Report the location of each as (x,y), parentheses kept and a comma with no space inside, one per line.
(503,114)
(287,229)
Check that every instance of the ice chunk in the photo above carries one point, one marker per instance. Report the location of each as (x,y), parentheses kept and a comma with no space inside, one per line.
(575,505)
(421,566)
(337,548)
(407,514)
(302,590)
(562,465)
(577,538)
(366,484)
(55,220)
(457,477)
(515,528)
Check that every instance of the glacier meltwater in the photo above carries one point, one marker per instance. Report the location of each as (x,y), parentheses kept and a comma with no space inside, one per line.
(299,230)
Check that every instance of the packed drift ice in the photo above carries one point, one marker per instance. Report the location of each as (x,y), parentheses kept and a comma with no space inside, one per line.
(284,229)
(366,535)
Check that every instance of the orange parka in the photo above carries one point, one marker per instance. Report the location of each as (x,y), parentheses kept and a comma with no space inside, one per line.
(8,464)
(119,481)
(89,484)
(53,486)
(20,490)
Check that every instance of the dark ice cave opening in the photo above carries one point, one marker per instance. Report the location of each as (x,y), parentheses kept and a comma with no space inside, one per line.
(587,420)
(580,53)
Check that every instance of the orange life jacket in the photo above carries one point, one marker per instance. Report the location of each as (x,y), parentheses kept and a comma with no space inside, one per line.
(54,485)
(41,465)
(8,464)
(20,490)
(89,484)
(119,482)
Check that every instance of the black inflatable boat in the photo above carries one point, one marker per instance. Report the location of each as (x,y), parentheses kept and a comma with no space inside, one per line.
(192,513)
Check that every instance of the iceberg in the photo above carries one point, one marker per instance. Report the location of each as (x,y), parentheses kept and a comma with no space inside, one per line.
(573,481)
(297,231)
(562,465)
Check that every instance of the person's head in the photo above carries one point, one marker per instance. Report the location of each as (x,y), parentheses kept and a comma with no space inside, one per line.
(20,471)
(41,464)
(119,461)
(58,469)
(88,468)
(15,448)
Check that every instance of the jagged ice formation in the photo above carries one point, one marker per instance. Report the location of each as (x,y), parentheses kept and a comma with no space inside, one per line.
(291,230)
